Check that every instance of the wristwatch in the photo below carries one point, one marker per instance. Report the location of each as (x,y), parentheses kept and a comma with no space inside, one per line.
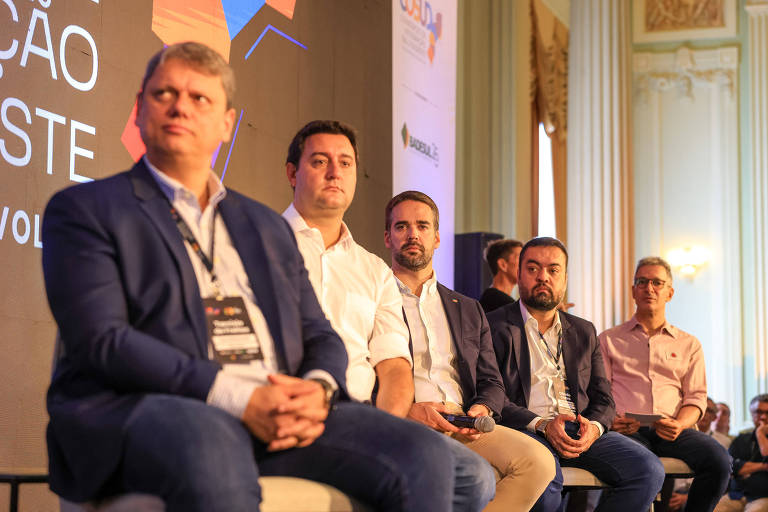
(541,427)
(327,388)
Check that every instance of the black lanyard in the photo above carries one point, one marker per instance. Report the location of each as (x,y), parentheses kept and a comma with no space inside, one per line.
(186,232)
(556,360)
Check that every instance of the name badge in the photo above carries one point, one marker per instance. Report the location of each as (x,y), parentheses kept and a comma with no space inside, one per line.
(562,393)
(231,331)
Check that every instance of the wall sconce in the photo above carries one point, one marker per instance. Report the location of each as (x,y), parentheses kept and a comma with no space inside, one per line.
(689,260)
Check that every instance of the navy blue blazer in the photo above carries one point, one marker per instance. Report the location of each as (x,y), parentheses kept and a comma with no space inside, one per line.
(478,373)
(123,292)
(585,373)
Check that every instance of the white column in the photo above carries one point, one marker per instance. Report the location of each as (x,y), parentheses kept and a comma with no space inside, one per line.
(600,161)
(756,284)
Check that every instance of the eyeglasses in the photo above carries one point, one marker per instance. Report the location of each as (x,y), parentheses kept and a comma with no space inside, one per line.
(642,282)
(760,412)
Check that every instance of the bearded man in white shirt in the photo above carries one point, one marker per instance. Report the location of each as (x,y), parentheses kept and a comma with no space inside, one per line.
(357,291)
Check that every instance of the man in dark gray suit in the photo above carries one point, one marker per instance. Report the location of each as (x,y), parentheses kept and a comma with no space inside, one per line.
(556,388)
(454,365)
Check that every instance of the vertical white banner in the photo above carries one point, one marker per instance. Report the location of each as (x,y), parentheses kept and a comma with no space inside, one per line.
(424,111)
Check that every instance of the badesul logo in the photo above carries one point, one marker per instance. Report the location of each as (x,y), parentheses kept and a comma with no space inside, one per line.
(425,149)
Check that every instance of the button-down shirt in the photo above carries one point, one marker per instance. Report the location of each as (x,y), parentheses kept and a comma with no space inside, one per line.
(358,294)
(543,398)
(234,384)
(656,374)
(435,376)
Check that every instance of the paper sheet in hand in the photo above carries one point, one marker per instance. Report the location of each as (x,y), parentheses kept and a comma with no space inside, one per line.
(646,420)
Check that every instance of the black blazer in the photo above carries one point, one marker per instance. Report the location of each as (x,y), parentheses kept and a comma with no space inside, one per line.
(590,390)
(124,295)
(478,373)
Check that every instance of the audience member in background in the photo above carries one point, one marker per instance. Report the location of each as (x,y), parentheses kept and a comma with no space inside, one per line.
(721,437)
(502,257)
(144,398)
(723,421)
(358,292)
(657,369)
(557,392)
(706,422)
(750,463)
(454,366)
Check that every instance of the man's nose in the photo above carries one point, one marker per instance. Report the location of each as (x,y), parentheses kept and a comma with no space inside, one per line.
(181,105)
(332,170)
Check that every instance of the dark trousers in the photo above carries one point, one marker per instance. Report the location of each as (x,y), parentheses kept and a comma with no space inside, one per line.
(705,456)
(199,458)
(634,474)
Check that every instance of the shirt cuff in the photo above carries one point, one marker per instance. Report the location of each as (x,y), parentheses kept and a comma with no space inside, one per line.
(600,427)
(389,346)
(322,375)
(230,393)
(532,425)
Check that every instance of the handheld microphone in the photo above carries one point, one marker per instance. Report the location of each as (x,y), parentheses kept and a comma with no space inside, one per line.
(481,423)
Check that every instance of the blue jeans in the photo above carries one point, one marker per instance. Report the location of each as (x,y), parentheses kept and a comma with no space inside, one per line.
(705,456)
(199,458)
(634,474)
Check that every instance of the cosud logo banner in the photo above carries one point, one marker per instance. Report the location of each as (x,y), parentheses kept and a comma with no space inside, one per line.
(421,11)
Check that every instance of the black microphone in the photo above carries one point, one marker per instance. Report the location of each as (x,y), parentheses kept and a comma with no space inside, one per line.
(481,423)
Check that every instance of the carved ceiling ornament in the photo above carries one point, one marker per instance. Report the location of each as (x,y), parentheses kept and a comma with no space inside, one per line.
(664,15)
(684,70)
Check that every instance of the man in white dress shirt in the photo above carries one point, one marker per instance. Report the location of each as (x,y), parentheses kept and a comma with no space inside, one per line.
(356,289)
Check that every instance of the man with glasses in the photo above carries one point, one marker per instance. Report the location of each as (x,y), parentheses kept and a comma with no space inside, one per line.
(659,385)
(750,461)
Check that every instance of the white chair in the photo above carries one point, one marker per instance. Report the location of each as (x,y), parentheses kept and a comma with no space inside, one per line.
(280,494)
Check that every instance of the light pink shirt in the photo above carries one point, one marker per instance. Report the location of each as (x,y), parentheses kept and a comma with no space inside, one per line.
(654,375)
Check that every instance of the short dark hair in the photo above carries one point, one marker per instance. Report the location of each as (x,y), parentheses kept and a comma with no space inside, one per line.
(759,398)
(199,57)
(500,250)
(410,195)
(296,148)
(544,241)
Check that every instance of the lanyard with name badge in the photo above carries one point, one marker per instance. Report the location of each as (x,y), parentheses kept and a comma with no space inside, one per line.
(562,393)
(229,326)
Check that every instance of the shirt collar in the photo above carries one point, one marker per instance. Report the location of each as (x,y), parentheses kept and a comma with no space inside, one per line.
(299,225)
(529,320)
(667,327)
(428,288)
(174,190)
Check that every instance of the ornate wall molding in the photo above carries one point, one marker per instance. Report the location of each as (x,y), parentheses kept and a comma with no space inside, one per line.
(685,70)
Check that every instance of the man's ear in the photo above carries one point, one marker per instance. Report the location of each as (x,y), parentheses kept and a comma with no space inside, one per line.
(671,293)
(387,239)
(501,264)
(290,171)
(437,239)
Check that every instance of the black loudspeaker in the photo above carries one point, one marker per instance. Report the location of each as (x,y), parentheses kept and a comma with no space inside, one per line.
(471,274)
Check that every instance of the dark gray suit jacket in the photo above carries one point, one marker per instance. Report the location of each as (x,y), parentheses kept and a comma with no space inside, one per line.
(585,373)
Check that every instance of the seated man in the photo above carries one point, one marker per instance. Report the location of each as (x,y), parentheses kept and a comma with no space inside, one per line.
(722,423)
(357,290)
(657,369)
(750,463)
(197,357)
(556,388)
(503,258)
(454,369)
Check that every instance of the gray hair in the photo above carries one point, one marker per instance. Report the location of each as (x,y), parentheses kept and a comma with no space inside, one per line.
(654,260)
(759,398)
(202,58)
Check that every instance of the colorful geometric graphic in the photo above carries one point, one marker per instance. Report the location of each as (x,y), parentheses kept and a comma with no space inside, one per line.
(215,23)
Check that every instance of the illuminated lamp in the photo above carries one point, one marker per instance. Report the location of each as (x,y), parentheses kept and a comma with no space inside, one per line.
(688,260)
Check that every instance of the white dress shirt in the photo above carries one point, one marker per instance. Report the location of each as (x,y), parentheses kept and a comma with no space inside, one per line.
(435,376)
(234,384)
(542,400)
(358,294)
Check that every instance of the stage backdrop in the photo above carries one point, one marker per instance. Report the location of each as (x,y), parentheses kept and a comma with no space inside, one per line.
(424,111)
(69,72)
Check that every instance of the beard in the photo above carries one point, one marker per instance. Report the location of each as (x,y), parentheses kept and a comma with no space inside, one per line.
(413,262)
(542,299)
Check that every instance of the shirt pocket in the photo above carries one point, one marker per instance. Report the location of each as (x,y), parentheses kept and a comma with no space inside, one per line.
(676,360)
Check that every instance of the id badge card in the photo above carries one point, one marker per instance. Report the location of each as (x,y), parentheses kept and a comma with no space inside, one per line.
(231,331)
(564,402)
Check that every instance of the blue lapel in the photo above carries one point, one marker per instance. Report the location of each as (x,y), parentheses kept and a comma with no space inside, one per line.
(519,342)
(453,313)
(249,243)
(155,206)
(570,359)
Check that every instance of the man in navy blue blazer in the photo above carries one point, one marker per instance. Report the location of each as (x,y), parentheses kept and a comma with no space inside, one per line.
(195,355)
(454,366)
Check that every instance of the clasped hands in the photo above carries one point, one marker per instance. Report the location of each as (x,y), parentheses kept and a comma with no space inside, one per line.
(428,413)
(565,445)
(288,413)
